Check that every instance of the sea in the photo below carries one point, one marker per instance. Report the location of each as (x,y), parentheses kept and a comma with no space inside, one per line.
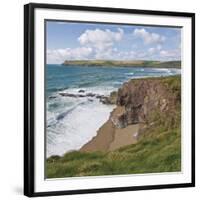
(72,121)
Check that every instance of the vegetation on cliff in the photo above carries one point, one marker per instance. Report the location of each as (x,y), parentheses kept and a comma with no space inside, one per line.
(159,145)
(131,63)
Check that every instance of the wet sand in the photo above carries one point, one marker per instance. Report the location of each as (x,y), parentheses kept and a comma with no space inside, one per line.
(109,137)
(124,136)
(103,139)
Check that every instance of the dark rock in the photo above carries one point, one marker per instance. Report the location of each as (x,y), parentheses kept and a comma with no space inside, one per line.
(90,95)
(77,95)
(80,95)
(108,99)
(72,95)
(104,100)
(140,99)
(99,96)
(68,95)
(81,91)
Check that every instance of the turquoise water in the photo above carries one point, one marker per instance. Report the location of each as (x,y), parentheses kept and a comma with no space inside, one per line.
(73,121)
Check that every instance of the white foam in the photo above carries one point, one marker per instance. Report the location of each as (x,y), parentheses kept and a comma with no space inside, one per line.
(77,128)
(103,90)
(131,73)
(161,69)
(168,70)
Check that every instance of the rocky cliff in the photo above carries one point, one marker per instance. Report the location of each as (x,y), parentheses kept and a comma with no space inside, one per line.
(143,102)
(142,98)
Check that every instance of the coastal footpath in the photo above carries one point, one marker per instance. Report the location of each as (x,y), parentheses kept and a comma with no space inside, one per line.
(142,134)
(129,63)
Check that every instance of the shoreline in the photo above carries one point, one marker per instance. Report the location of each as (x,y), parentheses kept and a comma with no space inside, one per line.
(140,136)
(108,136)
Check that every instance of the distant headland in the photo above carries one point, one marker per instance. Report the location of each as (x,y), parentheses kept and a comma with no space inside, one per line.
(123,63)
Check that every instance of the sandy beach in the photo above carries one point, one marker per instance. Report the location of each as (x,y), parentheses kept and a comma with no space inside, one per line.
(109,137)
(124,136)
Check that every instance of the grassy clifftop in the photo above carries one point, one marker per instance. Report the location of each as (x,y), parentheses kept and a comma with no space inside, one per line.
(158,148)
(134,63)
(159,152)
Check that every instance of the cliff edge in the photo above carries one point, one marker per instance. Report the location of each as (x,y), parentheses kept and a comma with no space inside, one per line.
(140,104)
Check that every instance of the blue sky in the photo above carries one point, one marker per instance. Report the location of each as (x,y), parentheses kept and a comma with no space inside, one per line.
(83,41)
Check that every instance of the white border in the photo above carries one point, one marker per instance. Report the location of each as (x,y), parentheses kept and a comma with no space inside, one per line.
(42,185)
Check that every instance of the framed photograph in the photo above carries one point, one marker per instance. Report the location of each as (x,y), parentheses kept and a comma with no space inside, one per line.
(108,99)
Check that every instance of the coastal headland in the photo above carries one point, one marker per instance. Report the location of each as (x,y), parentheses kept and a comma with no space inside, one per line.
(142,134)
(122,63)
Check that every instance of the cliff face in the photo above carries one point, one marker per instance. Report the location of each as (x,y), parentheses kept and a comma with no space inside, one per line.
(146,103)
(143,98)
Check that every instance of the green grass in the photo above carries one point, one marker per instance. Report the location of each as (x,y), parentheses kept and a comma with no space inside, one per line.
(158,150)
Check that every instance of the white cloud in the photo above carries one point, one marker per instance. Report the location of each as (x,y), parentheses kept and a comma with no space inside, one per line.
(59,55)
(100,39)
(126,55)
(147,37)
(98,44)
(101,44)
(154,50)
(173,54)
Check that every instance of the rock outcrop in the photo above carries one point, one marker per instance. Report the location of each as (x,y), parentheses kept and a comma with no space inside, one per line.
(141,104)
(111,99)
(142,98)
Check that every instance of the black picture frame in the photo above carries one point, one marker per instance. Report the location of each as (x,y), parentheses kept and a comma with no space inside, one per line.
(29,85)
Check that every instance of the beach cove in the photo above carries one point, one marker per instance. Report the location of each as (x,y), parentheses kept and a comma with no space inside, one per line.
(141,135)
(74,99)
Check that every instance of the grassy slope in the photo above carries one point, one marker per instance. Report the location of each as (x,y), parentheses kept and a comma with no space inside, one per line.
(159,150)
(134,63)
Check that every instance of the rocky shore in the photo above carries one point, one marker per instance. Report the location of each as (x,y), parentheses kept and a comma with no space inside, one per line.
(111,99)
(138,105)
(142,134)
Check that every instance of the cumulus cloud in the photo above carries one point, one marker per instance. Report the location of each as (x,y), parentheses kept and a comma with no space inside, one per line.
(95,44)
(59,55)
(173,54)
(102,44)
(154,50)
(147,37)
(126,55)
(100,39)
